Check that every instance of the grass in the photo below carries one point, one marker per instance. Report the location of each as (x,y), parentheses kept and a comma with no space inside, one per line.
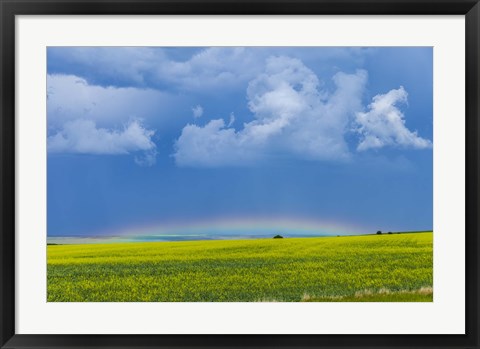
(424,294)
(377,268)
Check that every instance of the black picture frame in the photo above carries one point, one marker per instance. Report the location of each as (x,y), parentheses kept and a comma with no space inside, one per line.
(11,8)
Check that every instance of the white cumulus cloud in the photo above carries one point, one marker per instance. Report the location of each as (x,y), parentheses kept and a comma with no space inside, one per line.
(84,137)
(70,97)
(384,124)
(292,116)
(85,118)
(205,69)
(232,119)
(215,145)
(197,111)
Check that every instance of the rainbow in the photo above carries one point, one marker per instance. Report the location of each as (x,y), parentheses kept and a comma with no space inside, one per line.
(245,225)
(217,229)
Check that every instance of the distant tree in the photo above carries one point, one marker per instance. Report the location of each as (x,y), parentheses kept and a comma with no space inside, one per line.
(379,232)
(390,232)
(278,237)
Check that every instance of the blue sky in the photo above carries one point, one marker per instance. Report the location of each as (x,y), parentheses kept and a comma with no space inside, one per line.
(153,141)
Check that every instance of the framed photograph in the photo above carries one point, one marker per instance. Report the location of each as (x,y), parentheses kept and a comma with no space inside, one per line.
(267,174)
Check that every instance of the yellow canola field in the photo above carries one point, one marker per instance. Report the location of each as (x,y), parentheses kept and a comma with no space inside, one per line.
(387,267)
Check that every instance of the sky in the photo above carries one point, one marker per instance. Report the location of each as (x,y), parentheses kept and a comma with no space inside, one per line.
(168,142)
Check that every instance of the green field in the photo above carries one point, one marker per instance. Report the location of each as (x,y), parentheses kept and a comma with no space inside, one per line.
(376,268)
